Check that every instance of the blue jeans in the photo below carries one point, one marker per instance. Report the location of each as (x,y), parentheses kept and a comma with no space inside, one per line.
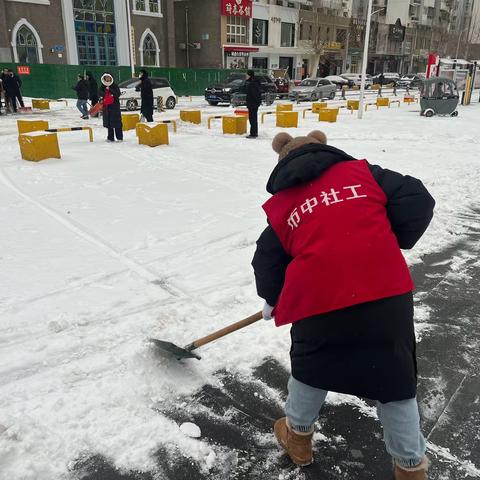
(82,106)
(400,420)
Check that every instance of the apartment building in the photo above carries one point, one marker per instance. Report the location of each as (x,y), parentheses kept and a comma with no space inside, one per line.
(81,32)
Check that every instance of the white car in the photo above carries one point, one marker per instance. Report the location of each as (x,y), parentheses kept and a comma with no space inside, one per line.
(356,78)
(131,99)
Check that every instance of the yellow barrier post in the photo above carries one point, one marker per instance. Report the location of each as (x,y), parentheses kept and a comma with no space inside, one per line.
(285,107)
(234,125)
(153,136)
(41,104)
(383,102)
(287,119)
(129,121)
(191,116)
(25,126)
(316,107)
(37,146)
(353,105)
(395,101)
(328,115)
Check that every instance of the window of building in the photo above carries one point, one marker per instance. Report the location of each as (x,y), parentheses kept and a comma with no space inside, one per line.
(260,63)
(27,48)
(95,31)
(147,7)
(287,38)
(237,30)
(260,32)
(149,51)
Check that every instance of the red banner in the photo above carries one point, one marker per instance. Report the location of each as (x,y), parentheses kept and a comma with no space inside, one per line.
(237,8)
(433,62)
(23,70)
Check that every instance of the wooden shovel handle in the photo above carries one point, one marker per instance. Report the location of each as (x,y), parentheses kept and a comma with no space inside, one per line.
(225,331)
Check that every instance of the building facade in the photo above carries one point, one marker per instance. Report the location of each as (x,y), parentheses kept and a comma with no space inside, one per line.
(87,32)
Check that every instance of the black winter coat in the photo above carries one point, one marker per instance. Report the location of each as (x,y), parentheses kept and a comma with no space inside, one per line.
(92,89)
(112,117)
(254,94)
(146,94)
(367,349)
(11,84)
(82,89)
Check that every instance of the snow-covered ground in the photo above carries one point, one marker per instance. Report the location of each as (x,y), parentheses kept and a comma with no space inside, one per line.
(117,243)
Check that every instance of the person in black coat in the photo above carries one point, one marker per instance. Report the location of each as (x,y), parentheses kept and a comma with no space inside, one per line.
(146,92)
(12,85)
(254,99)
(366,347)
(92,89)
(82,89)
(112,117)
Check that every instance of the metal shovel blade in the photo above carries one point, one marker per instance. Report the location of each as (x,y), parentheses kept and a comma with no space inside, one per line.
(174,350)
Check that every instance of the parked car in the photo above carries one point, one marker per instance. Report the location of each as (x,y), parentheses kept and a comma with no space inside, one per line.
(411,81)
(388,78)
(130,99)
(235,85)
(356,78)
(312,89)
(340,82)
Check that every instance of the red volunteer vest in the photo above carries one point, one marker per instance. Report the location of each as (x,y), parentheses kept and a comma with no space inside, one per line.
(344,252)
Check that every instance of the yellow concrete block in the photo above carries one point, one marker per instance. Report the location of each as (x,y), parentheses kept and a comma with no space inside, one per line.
(355,87)
(316,107)
(152,135)
(234,125)
(285,107)
(129,121)
(25,126)
(41,104)
(376,86)
(192,116)
(287,119)
(36,146)
(408,99)
(328,115)
(383,102)
(353,104)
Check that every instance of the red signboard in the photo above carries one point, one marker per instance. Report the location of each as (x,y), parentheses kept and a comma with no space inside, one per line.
(237,8)
(23,70)
(433,62)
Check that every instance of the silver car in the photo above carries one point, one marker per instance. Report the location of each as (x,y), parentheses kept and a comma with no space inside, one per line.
(313,89)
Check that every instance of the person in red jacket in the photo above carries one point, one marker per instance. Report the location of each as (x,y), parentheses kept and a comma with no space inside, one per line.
(330,265)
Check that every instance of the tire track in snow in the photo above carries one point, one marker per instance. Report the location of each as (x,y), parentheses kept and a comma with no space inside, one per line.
(143,272)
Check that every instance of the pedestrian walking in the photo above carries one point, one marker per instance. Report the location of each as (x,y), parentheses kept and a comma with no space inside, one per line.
(92,90)
(329,264)
(82,89)
(12,85)
(254,99)
(146,92)
(112,117)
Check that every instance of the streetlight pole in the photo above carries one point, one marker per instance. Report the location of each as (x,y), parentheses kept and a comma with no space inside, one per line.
(130,39)
(365,55)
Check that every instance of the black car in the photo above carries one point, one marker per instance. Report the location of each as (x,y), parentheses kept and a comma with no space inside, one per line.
(233,90)
(411,81)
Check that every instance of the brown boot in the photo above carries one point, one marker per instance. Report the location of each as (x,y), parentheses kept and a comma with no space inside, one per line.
(298,445)
(414,473)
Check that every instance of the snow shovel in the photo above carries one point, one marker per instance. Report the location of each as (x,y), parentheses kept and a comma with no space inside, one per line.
(187,351)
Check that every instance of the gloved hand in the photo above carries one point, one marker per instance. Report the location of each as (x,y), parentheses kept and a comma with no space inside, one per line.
(267,311)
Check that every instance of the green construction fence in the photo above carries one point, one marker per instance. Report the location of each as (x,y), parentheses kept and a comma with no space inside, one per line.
(56,81)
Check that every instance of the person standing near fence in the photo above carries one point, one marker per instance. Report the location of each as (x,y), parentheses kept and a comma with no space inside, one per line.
(12,84)
(112,117)
(82,90)
(146,92)
(254,99)
(92,90)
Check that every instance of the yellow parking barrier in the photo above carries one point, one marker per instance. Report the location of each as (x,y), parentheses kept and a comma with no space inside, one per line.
(41,104)
(370,105)
(409,99)
(316,107)
(284,107)
(287,119)
(191,116)
(353,105)
(376,86)
(383,102)
(37,146)
(72,129)
(153,136)
(262,117)
(129,121)
(328,115)
(236,125)
(25,126)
